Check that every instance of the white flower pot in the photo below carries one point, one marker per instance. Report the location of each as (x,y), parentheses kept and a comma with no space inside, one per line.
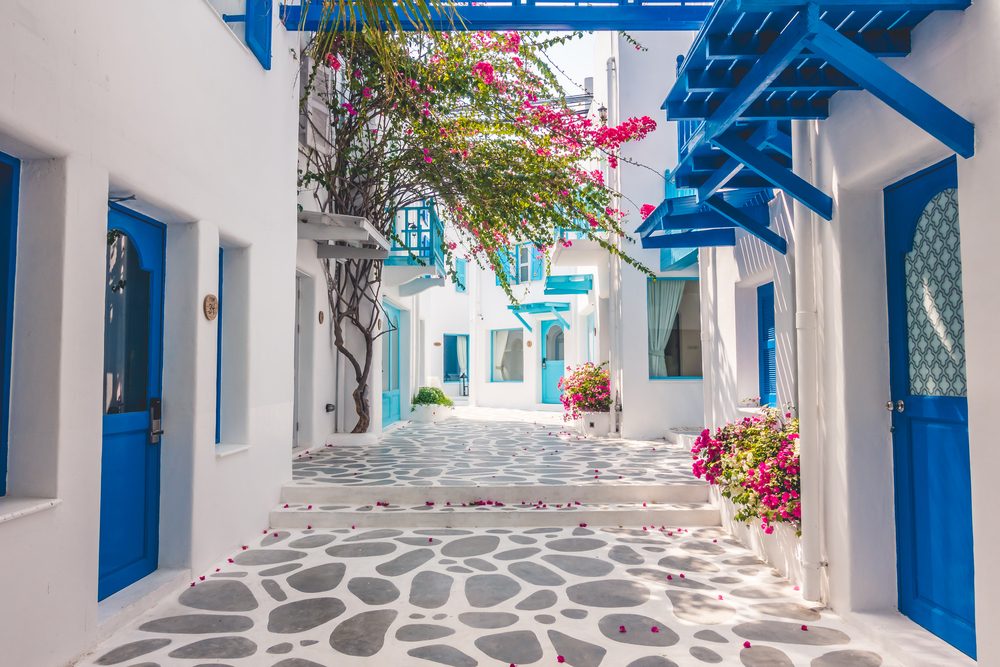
(426,414)
(596,424)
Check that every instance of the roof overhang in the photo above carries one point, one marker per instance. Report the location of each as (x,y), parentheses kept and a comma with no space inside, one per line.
(342,236)
(540,308)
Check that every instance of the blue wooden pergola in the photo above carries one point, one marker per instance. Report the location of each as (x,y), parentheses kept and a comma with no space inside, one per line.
(634,15)
(755,66)
(540,308)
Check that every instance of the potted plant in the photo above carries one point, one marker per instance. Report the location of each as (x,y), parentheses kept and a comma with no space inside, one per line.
(429,404)
(586,396)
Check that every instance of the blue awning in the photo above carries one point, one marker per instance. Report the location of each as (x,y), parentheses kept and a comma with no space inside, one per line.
(580,283)
(540,308)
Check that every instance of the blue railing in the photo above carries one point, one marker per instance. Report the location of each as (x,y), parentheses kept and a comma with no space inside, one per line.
(419,237)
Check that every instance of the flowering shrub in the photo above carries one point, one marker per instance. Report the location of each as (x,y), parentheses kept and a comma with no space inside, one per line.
(586,389)
(755,463)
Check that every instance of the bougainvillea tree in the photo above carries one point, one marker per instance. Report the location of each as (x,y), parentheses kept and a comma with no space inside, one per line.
(477,122)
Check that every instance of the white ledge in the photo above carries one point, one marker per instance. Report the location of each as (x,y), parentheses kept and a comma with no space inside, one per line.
(222,451)
(15,508)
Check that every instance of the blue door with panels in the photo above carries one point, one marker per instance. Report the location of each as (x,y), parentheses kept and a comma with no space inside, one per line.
(553,360)
(390,366)
(767,357)
(133,353)
(929,406)
(10,169)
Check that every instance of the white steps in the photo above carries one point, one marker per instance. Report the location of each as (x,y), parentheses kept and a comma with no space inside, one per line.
(632,514)
(683,436)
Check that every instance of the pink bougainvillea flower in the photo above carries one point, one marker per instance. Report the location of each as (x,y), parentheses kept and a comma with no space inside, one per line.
(331,61)
(621,628)
(654,629)
(746,644)
(560,659)
(646,210)
(366,92)
(805,628)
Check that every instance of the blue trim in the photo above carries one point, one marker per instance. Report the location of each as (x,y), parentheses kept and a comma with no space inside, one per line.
(9,195)
(218,356)
(561,285)
(660,378)
(767,350)
(492,379)
(457,368)
(391,398)
(461,273)
(695,239)
(258,30)
(537,15)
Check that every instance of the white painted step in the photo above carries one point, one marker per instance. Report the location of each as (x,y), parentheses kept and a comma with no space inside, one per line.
(683,436)
(654,515)
(694,491)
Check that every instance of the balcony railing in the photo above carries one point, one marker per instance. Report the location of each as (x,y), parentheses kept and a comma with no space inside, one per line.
(419,238)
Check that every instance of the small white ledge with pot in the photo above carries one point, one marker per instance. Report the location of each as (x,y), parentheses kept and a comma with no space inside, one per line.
(428,414)
(595,424)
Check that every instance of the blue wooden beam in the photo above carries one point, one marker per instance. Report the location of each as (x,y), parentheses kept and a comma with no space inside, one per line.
(796,108)
(697,239)
(517,314)
(749,224)
(777,175)
(855,5)
(895,43)
(805,79)
(732,166)
(539,15)
(896,91)
(562,320)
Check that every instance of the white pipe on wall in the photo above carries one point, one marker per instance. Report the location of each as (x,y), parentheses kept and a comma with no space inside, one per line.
(807,343)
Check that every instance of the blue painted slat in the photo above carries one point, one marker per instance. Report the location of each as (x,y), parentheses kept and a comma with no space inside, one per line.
(896,91)
(258,29)
(538,15)
(767,365)
(854,5)
(695,239)
(461,271)
(218,356)
(10,171)
(748,223)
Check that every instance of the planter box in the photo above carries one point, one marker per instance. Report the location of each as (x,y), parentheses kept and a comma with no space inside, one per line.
(595,424)
(427,414)
(782,549)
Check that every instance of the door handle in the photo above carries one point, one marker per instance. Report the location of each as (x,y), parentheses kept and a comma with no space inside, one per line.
(155,420)
(543,362)
(900,406)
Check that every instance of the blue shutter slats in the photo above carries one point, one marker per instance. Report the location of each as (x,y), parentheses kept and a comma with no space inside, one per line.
(258,30)
(461,271)
(767,359)
(537,265)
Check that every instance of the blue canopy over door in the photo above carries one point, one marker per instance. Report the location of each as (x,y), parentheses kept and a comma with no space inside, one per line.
(133,351)
(930,409)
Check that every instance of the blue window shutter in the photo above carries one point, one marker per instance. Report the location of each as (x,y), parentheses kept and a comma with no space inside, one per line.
(258,30)
(218,358)
(505,264)
(537,265)
(767,362)
(461,267)
(9,180)
(451,358)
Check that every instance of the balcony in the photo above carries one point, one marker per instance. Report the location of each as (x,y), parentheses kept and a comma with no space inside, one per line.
(574,248)
(416,258)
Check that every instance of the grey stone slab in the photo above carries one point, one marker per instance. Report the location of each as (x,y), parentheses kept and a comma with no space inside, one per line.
(577,652)
(430,590)
(443,655)
(311,541)
(705,654)
(132,650)
(373,590)
(576,544)
(639,630)
(280,649)
(488,620)
(274,538)
(653,661)
(517,554)
(796,612)
(193,624)
(519,647)
(361,550)
(487,590)
(267,556)
(581,566)
(404,563)
(790,633)
(278,570)
(480,564)
(700,609)
(273,589)
(710,636)
(625,555)
(302,615)
(608,593)
(219,595)
(757,592)
(536,574)
(363,635)
(477,545)
(297,662)
(685,564)
(216,647)
(575,614)
(419,632)
(381,534)
(848,658)
(765,656)
(537,600)
(318,579)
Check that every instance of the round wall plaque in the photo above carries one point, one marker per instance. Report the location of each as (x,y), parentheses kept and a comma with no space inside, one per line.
(210,306)
(528,343)
(321,317)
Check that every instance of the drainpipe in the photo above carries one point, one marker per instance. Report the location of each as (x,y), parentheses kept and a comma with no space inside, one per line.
(614,281)
(807,344)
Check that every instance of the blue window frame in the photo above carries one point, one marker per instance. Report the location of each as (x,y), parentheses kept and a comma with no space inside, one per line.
(767,361)
(257,21)
(218,356)
(456,357)
(507,355)
(461,273)
(673,319)
(10,171)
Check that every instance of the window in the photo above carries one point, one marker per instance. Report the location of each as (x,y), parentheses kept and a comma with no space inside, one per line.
(456,357)
(461,273)
(253,25)
(507,355)
(9,179)
(767,362)
(673,312)
(524,264)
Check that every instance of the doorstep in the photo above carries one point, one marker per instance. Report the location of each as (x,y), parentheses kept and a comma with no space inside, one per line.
(903,640)
(131,602)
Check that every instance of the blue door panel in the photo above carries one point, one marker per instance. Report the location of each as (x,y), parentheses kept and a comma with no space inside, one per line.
(553,361)
(130,463)
(391,403)
(767,360)
(934,538)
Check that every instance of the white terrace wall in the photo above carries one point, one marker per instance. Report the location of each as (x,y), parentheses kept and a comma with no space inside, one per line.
(444,310)
(650,407)
(862,148)
(163,101)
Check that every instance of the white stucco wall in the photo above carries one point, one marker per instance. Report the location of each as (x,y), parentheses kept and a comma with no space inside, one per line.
(161,101)
(444,310)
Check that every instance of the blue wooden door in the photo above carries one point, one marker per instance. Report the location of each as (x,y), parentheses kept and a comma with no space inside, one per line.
(133,350)
(390,366)
(767,359)
(930,409)
(553,360)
